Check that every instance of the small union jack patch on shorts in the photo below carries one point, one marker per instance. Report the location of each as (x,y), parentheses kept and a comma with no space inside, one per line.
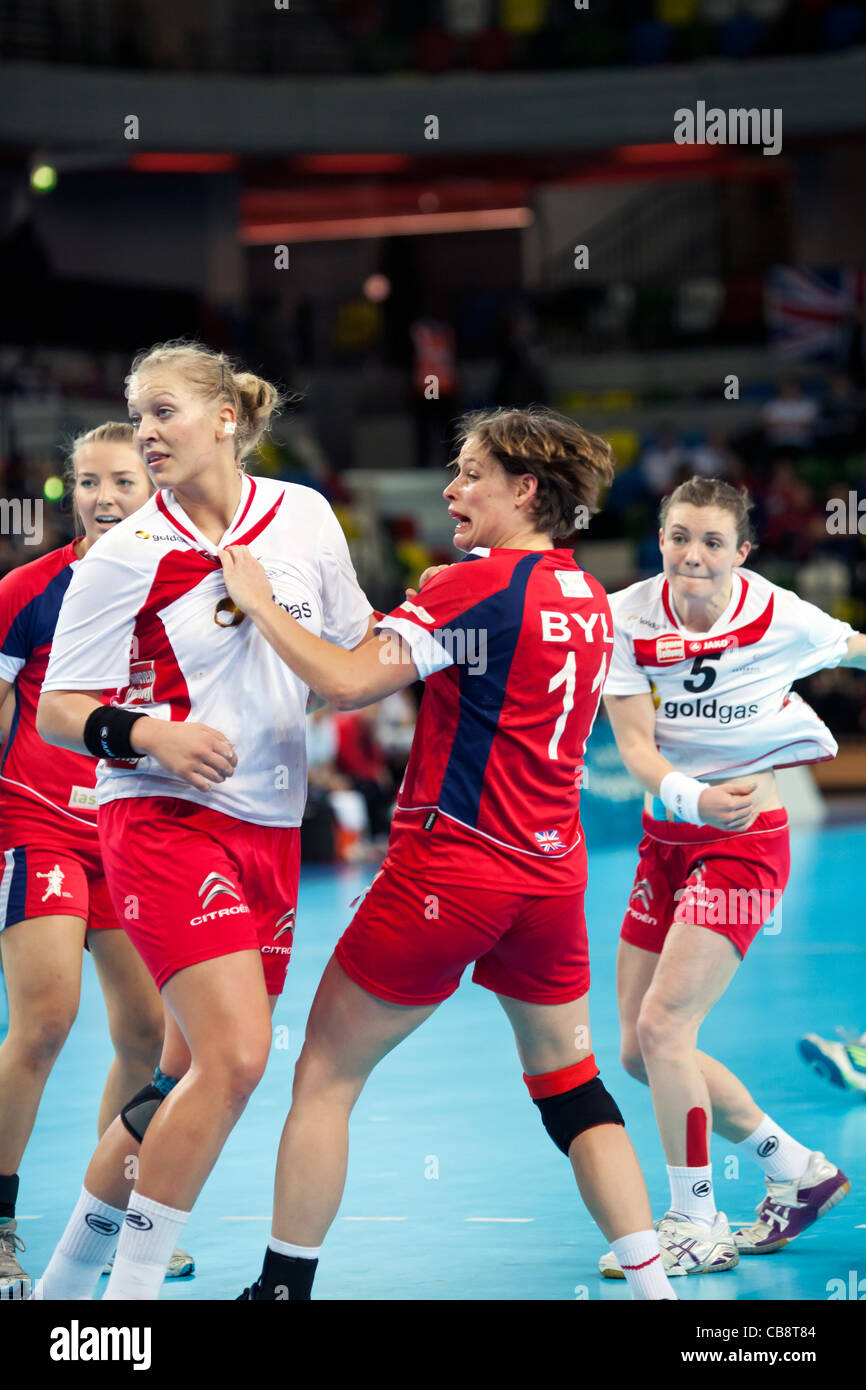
(548,840)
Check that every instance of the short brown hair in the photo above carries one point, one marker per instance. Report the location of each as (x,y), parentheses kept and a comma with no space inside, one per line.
(570,464)
(219,378)
(112,432)
(713,492)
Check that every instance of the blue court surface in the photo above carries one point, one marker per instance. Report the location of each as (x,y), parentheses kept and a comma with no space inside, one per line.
(454,1190)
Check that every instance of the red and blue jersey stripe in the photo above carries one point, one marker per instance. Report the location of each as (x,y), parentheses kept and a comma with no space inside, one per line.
(514,647)
(40,786)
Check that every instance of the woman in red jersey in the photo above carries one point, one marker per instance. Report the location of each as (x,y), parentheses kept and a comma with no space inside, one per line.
(53,896)
(486,861)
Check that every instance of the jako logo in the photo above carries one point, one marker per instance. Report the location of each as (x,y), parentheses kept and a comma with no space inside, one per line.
(75,1343)
(138,1221)
(103,1225)
(702,1189)
(768,1147)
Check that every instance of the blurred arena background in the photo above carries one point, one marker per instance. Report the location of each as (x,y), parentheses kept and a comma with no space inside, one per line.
(362,197)
(400,210)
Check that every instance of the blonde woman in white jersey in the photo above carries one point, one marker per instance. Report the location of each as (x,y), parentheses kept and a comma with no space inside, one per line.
(699,698)
(203,779)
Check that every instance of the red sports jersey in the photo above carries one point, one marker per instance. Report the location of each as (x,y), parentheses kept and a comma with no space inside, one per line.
(514,646)
(42,789)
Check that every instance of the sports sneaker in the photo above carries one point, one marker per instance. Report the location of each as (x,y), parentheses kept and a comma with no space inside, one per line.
(686,1248)
(14,1283)
(789,1207)
(842,1064)
(180,1266)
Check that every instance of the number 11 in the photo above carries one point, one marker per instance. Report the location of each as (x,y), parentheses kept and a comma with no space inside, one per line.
(566,676)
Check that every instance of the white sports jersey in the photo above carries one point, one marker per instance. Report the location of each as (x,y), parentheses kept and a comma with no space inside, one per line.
(147,612)
(723,698)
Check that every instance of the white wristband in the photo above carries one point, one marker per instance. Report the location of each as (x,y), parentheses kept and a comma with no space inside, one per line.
(680,794)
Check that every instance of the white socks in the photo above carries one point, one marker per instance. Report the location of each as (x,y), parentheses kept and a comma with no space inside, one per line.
(150,1234)
(692,1194)
(640,1260)
(90,1238)
(781,1157)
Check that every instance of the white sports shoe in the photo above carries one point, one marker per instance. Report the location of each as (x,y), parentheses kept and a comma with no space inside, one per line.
(790,1207)
(180,1266)
(686,1248)
(841,1063)
(14,1282)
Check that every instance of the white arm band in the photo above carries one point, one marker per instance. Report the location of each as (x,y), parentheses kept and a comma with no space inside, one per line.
(680,794)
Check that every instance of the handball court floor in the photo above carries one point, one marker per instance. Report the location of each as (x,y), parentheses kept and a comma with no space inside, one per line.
(454,1189)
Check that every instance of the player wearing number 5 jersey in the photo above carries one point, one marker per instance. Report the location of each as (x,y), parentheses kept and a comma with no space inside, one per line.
(486,861)
(700,702)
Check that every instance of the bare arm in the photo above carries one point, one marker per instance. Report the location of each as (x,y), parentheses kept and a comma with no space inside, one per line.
(369,634)
(347,680)
(856,655)
(61,716)
(194,752)
(316,702)
(632,717)
(633,720)
(6,707)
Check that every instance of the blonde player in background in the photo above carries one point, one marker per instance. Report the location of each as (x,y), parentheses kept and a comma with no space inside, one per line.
(53,895)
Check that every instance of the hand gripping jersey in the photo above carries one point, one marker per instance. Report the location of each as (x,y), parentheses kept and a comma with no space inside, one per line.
(148,612)
(723,698)
(514,647)
(44,791)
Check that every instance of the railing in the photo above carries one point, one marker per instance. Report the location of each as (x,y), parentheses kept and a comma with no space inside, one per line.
(653,236)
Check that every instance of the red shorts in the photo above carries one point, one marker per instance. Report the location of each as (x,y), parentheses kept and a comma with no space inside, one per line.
(731,884)
(190,884)
(37,882)
(410,942)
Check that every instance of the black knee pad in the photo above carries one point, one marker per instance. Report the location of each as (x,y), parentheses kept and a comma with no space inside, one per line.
(138,1112)
(570,1113)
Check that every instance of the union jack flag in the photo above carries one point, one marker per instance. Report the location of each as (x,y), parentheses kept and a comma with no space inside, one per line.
(548,840)
(808,311)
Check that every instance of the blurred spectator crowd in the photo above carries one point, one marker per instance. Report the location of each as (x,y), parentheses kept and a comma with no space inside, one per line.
(380,36)
(803,459)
